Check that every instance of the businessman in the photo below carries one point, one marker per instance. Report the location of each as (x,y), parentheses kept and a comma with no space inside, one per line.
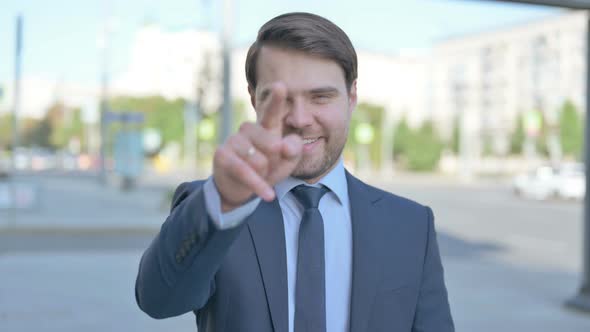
(282,237)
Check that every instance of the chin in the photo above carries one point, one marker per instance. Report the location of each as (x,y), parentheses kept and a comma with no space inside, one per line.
(305,171)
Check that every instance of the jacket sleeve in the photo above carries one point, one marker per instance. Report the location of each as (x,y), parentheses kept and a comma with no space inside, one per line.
(433,313)
(177,271)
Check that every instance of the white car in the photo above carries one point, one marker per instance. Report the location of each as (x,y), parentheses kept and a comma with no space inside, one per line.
(539,183)
(566,182)
(571,182)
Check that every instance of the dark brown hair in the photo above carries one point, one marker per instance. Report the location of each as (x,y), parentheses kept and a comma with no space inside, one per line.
(309,33)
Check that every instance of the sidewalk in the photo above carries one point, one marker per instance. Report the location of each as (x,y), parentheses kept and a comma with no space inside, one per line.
(93,291)
(82,204)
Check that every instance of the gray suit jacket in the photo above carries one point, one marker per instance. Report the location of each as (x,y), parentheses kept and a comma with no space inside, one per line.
(236,279)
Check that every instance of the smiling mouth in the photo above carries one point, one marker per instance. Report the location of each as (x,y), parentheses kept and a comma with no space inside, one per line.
(310,140)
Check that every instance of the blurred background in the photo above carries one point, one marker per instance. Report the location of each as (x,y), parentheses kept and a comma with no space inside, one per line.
(476,108)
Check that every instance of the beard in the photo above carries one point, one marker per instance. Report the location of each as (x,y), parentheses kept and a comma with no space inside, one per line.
(309,168)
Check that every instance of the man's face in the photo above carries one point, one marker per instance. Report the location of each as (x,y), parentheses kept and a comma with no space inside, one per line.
(319,105)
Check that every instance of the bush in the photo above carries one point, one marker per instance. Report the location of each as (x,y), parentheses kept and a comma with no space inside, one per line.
(417,149)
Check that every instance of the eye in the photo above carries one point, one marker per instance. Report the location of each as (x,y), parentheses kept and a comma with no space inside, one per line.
(321,98)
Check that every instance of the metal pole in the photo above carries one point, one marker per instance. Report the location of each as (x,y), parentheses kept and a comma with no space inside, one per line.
(226,111)
(190,136)
(17,86)
(104,44)
(582,300)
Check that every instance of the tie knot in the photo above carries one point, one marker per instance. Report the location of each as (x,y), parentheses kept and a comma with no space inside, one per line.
(309,196)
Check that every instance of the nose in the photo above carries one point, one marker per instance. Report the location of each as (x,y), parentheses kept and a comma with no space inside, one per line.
(299,116)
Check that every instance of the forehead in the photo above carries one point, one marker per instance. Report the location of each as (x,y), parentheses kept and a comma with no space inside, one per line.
(298,70)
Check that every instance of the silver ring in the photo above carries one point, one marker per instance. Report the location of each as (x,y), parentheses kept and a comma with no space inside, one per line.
(251,151)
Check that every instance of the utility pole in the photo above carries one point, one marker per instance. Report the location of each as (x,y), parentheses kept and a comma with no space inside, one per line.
(191,118)
(104,79)
(17,87)
(226,111)
(581,301)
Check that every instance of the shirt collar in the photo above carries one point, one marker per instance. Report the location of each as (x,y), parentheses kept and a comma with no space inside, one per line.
(335,180)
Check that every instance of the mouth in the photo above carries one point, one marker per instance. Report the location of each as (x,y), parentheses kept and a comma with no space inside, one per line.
(310,140)
(310,143)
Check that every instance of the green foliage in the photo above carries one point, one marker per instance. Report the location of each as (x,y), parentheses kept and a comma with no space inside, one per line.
(238,114)
(417,149)
(160,113)
(373,115)
(66,128)
(570,130)
(541,144)
(401,137)
(39,135)
(59,125)
(518,136)
(5,130)
(488,145)
(456,138)
(424,148)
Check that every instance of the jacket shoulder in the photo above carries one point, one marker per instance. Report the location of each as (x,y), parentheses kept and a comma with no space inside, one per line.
(399,207)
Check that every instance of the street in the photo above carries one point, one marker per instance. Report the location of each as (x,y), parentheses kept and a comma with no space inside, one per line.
(70,263)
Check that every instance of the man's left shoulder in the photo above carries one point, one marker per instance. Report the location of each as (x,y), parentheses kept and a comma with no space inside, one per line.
(399,208)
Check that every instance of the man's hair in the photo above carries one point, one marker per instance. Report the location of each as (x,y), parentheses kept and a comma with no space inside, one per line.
(308,33)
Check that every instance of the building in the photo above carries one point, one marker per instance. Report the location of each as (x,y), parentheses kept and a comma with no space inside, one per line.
(481,82)
(485,80)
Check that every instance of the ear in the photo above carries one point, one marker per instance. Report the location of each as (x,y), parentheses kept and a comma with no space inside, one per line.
(352,97)
(252,93)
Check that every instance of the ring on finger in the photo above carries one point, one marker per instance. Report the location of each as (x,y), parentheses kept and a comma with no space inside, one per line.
(251,151)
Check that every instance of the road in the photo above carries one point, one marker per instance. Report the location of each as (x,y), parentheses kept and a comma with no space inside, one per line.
(70,264)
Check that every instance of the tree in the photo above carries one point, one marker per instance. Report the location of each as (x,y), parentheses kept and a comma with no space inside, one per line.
(66,127)
(5,131)
(57,128)
(424,148)
(372,115)
(401,137)
(570,130)
(39,134)
(455,144)
(164,115)
(518,136)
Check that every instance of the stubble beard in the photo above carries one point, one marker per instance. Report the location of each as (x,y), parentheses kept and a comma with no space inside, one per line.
(310,169)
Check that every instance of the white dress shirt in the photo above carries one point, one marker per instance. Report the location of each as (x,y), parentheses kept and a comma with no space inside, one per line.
(335,209)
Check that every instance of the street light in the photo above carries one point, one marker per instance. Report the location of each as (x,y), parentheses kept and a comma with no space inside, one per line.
(17,86)
(226,110)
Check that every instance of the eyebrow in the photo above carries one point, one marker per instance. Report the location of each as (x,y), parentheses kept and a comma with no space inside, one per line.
(324,90)
(315,91)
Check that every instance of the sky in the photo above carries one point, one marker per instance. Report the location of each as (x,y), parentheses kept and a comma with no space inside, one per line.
(61,36)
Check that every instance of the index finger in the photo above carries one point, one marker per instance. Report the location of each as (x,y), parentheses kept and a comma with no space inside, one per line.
(273,109)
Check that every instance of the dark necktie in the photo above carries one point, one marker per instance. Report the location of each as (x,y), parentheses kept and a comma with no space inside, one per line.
(310,287)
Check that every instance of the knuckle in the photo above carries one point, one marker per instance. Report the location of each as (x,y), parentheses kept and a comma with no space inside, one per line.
(232,140)
(245,127)
(263,163)
(221,157)
(241,172)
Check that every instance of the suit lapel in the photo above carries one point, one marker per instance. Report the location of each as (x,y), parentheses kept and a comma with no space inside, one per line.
(366,251)
(268,234)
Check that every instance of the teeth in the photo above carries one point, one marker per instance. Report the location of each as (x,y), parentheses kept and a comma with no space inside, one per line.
(309,140)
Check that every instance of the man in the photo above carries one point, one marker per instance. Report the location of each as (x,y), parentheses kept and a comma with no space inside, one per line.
(281,237)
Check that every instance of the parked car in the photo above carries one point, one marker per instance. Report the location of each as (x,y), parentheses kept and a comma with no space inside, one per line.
(571,182)
(568,181)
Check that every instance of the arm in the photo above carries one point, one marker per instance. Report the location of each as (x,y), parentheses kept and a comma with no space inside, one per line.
(176,273)
(433,313)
